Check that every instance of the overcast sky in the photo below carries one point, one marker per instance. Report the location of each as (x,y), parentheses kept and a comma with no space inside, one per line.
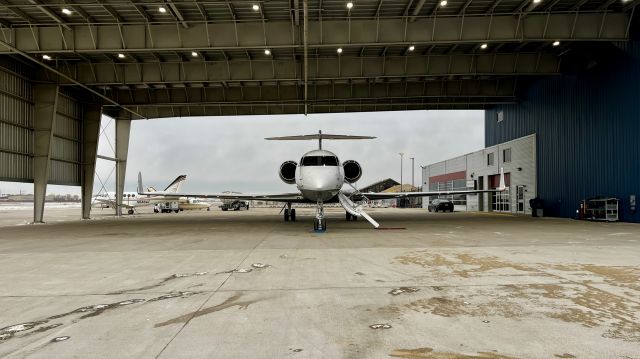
(230,153)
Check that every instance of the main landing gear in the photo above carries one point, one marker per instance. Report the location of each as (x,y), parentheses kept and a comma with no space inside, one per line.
(319,223)
(351,217)
(289,213)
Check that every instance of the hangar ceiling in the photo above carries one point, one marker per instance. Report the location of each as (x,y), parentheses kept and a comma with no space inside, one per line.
(161,58)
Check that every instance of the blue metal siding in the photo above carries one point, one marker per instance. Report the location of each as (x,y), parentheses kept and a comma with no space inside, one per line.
(588,134)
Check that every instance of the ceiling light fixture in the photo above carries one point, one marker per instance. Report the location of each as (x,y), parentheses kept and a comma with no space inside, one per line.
(536,1)
(46,57)
(66,11)
(121,56)
(267,52)
(411,48)
(483,46)
(256,7)
(194,54)
(556,43)
(162,9)
(349,5)
(339,50)
(443,3)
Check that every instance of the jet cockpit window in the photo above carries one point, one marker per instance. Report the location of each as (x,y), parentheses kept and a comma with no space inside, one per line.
(319,161)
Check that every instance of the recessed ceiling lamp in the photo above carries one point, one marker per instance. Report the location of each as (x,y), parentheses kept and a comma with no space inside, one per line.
(349,5)
(483,46)
(194,54)
(121,56)
(411,48)
(162,9)
(46,57)
(536,1)
(556,43)
(443,3)
(256,7)
(267,52)
(339,50)
(66,11)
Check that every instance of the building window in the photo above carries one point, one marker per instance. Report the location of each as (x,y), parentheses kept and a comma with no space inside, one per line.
(506,155)
(490,159)
(499,116)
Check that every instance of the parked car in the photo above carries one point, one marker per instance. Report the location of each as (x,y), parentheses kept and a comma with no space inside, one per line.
(443,205)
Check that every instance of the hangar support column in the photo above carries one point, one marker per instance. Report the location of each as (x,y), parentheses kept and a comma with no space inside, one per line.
(45,99)
(90,134)
(123,129)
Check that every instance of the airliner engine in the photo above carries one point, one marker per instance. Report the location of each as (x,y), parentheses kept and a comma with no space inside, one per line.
(288,172)
(352,171)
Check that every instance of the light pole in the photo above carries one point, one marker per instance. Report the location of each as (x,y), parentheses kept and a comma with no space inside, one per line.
(401,160)
(412,176)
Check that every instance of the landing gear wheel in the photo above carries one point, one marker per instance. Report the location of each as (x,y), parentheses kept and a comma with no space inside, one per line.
(286,215)
(177,211)
(348,215)
(292,214)
(319,225)
(130,211)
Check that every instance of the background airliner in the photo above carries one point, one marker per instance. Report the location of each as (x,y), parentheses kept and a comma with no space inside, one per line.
(319,178)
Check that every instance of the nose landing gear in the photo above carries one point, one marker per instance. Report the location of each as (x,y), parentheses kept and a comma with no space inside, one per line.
(319,223)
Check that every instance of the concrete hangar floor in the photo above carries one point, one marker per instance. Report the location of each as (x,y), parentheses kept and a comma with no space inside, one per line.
(247,285)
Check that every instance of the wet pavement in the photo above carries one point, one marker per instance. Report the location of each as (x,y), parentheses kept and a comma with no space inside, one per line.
(246,284)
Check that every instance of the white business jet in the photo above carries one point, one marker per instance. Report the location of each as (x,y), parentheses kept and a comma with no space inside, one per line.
(319,178)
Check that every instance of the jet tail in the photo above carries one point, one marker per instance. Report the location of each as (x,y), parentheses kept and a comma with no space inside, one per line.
(140,188)
(176,185)
(502,186)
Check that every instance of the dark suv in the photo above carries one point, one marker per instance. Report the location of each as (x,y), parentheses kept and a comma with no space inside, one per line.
(443,205)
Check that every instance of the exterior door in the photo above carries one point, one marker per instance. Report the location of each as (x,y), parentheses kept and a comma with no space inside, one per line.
(520,198)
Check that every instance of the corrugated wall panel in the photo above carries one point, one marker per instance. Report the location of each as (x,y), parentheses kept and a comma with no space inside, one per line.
(16,130)
(16,123)
(588,129)
(65,147)
(15,167)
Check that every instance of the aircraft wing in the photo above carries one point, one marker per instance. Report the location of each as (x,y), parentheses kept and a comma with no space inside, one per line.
(112,203)
(278,197)
(389,195)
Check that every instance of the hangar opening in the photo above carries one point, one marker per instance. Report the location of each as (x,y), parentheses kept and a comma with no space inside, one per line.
(562,70)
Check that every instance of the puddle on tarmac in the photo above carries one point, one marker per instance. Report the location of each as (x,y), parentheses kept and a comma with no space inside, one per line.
(380,326)
(254,266)
(239,270)
(398,291)
(160,283)
(230,302)
(28,328)
(60,339)
(173,295)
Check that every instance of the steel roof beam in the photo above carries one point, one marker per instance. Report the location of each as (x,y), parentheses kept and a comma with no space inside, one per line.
(16,11)
(194,72)
(327,91)
(280,35)
(51,14)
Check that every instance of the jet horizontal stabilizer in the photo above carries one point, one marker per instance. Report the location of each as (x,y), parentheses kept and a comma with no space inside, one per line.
(319,136)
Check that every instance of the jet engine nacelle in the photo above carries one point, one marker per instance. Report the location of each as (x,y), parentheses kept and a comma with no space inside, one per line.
(352,171)
(288,172)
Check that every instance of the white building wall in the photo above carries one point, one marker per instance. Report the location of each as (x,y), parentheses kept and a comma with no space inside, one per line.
(522,170)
